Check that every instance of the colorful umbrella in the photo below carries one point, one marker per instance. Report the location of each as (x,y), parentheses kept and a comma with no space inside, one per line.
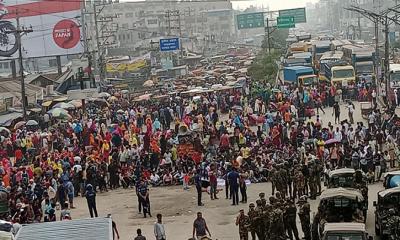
(104,95)
(64,106)
(76,103)
(20,124)
(3,129)
(331,141)
(58,113)
(32,123)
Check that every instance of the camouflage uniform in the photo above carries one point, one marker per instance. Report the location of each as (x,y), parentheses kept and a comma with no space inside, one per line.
(244,223)
(298,184)
(253,216)
(272,177)
(277,229)
(393,224)
(291,227)
(304,215)
(312,181)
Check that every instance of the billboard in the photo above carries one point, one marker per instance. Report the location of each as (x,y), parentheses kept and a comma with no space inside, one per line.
(55,25)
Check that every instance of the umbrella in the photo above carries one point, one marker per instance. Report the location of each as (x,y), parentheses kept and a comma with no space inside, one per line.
(99,101)
(275,90)
(125,91)
(237,108)
(64,106)
(58,112)
(331,141)
(47,103)
(104,95)
(148,83)
(112,99)
(121,111)
(3,129)
(61,99)
(19,124)
(76,103)
(32,123)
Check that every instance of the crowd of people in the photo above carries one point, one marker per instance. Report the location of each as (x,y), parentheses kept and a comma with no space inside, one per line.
(236,136)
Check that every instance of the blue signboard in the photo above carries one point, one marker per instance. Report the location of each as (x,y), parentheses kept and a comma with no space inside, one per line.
(169,44)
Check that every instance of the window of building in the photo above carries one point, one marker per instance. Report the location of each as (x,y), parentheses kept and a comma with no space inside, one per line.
(6,65)
(125,26)
(129,15)
(152,21)
(53,63)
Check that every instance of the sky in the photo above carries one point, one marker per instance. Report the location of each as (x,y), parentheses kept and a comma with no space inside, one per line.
(273,4)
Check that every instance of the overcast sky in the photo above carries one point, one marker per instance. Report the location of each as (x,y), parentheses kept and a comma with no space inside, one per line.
(273,4)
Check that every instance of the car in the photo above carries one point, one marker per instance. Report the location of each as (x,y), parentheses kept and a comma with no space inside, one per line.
(338,205)
(391,179)
(345,231)
(387,199)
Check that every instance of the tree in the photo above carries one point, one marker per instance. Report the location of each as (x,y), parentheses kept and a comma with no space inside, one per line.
(264,67)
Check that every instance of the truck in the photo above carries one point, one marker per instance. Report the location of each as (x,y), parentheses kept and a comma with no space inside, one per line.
(302,76)
(338,73)
(298,59)
(362,59)
(345,231)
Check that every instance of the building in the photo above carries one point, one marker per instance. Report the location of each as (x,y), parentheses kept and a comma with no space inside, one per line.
(201,25)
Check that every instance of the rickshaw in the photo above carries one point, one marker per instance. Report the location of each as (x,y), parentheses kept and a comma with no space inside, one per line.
(387,199)
(366,109)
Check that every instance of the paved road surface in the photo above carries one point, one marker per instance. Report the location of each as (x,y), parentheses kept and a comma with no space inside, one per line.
(179,207)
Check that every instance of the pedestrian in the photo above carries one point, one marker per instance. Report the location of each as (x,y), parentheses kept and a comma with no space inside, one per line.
(198,183)
(143,194)
(336,112)
(233,178)
(200,227)
(139,235)
(243,188)
(351,109)
(243,221)
(90,195)
(291,220)
(159,229)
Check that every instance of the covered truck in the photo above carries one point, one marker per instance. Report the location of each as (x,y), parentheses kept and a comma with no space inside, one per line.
(299,75)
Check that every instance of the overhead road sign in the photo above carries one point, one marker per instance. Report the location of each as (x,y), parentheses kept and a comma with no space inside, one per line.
(169,44)
(285,22)
(299,14)
(250,20)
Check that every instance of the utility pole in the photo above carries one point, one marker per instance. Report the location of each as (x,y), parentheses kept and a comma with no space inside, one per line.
(19,32)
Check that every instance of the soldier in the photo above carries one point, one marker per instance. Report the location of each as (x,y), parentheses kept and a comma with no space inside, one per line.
(299,183)
(253,216)
(304,215)
(291,220)
(272,176)
(277,228)
(289,177)
(393,225)
(262,198)
(312,180)
(267,221)
(318,170)
(261,220)
(282,181)
(243,221)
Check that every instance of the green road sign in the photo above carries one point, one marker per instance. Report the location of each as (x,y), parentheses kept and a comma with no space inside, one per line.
(299,14)
(285,22)
(250,20)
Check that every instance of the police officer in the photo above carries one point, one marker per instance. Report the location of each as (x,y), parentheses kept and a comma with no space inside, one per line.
(291,219)
(243,221)
(253,216)
(277,228)
(304,215)
(393,224)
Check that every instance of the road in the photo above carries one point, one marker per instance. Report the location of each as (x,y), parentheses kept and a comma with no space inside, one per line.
(179,207)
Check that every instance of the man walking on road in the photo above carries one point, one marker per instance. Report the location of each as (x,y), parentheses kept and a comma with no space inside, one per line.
(91,200)
(197,181)
(159,230)
(200,227)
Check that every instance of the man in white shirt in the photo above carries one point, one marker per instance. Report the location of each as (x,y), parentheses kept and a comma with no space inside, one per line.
(159,230)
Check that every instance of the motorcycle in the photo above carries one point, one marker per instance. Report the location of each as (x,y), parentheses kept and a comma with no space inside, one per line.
(8,38)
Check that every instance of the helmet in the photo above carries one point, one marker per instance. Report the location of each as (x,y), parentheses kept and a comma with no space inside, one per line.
(261,195)
(392,211)
(251,205)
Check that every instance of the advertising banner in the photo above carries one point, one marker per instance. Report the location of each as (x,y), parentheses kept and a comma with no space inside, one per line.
(55,25)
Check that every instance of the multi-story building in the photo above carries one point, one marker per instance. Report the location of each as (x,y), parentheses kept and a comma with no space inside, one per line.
(136,23)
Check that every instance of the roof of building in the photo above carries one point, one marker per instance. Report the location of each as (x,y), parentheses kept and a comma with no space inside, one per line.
(13,86)
(88,229)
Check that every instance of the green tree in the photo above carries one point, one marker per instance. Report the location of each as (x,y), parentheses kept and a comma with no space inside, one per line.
(264,67)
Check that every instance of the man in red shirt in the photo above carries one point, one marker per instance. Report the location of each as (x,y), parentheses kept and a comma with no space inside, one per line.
(224,141)
(212,174)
